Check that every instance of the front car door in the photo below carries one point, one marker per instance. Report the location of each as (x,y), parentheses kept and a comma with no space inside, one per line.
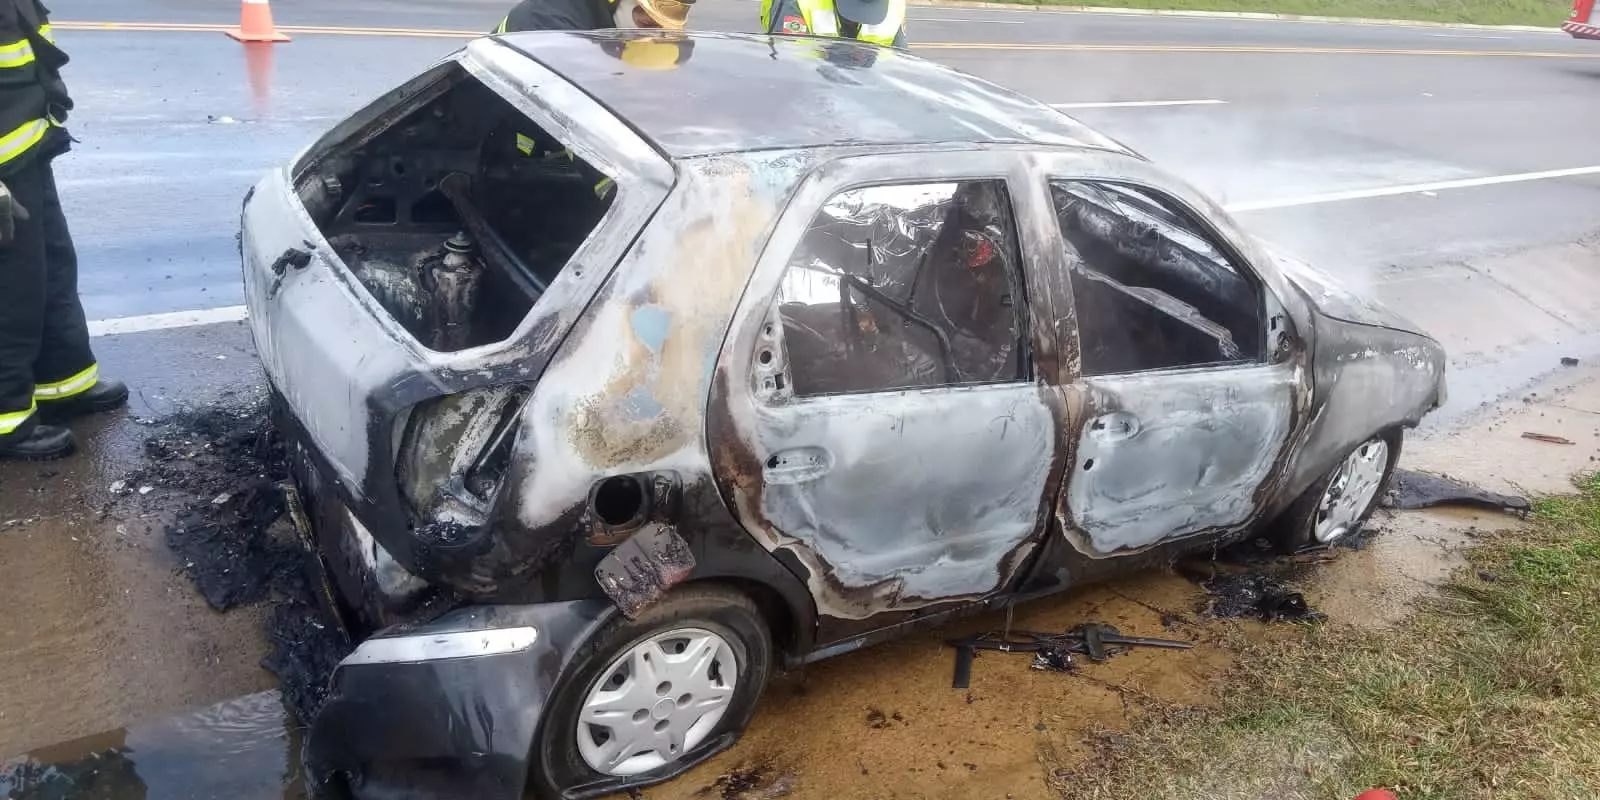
(880,420)
(1187,369)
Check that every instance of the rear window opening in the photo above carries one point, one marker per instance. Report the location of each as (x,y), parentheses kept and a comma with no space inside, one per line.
(454,210)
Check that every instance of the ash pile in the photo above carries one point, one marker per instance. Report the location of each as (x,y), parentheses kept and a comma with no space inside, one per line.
(216,475)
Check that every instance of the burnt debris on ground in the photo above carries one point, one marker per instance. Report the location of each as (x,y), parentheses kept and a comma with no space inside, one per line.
(223,466)
(1052,652)
(1412,490)
(753,783)
(1252,595)
(108,773)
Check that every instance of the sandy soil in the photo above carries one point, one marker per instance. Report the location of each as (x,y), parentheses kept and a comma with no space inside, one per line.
(100,630)
(884,722)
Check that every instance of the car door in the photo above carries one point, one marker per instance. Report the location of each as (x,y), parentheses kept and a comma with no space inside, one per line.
(1189,409)
(879,421)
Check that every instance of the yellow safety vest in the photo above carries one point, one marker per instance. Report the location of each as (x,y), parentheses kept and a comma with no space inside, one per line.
(822,20)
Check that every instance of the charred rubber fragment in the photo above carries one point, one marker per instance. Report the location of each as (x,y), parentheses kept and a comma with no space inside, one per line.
(292,257)
(1255,596)
(639,571)
(1412,490)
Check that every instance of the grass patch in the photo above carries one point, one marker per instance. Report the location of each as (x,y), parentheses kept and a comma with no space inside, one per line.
(1492,690)
(1549,13)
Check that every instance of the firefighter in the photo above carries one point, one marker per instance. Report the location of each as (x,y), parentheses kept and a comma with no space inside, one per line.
(589,15)
(48,374)
(881,22)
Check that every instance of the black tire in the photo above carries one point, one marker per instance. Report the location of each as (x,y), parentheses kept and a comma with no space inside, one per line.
(1295,530)
(557,763)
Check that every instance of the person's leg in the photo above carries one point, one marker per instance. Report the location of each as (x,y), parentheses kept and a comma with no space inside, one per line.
(23,287)
(65,373)
(65,364)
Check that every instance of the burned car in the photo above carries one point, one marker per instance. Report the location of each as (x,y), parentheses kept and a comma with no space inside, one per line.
(620,369)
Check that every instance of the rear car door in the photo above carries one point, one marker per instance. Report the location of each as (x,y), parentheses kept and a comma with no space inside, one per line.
(1189,398)
(880,422)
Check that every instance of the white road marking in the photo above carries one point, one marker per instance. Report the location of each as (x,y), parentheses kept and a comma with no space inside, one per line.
(1415,188)
(984,21)
(1465,36)
(1141,104)
(161,322)
(212,316)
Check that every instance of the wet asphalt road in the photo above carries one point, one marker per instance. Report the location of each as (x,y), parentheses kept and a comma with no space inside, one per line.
(100,632)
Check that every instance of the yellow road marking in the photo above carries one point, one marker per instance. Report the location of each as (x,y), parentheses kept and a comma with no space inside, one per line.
(181,27)
(1184,48)
(184,27)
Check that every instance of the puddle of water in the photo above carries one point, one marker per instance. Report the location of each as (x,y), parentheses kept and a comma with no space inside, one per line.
(1415,552)
(242,749)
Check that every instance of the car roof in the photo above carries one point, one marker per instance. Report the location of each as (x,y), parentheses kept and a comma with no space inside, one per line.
(701,93)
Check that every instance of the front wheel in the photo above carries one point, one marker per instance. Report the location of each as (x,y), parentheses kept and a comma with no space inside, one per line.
(645,692)
(1335,507)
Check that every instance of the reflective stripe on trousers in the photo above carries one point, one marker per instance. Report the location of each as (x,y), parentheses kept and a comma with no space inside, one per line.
(12,420)
(22,139)
(75,385)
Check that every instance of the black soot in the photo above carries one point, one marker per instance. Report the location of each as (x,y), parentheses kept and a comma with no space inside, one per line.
(1253,595)
(233,537)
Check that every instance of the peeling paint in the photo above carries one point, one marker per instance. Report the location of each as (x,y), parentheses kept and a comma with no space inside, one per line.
(642,427)
(644,358)
(1165,455)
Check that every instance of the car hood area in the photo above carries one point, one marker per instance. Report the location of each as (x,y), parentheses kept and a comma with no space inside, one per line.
(1334,298)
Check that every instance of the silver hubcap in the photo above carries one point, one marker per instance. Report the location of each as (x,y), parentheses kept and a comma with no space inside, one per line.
(657,701)
(1350,492)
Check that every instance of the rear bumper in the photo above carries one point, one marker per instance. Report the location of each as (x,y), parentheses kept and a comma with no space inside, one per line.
(446,709)
(356,579)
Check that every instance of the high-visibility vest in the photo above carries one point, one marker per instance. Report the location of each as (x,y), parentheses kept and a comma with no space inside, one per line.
(822,20)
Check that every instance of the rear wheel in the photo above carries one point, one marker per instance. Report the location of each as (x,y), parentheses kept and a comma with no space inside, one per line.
(645,692)
(1335,508)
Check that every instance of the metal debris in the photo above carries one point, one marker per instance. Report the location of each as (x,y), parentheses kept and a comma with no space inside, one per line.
(640,571)
(1411,490)
(1053,651)
(1545,437)
(1052,659)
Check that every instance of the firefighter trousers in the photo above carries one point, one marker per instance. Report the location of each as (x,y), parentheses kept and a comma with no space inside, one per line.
(44,340)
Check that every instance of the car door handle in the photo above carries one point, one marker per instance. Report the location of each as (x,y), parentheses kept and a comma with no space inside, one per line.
(1115,426)
(797,465)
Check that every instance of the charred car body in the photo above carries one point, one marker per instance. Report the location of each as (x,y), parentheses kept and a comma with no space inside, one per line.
(602,407)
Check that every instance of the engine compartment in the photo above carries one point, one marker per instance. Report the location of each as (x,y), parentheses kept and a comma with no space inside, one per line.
(455,211)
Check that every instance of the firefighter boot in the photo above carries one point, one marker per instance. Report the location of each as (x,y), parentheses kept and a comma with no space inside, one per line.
(105,395)
(42,443)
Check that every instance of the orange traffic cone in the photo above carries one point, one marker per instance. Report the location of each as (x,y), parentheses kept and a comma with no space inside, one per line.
(255,23)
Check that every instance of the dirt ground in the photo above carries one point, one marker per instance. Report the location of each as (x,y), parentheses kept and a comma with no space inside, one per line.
(884,722)
(99,628)
(106,631)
